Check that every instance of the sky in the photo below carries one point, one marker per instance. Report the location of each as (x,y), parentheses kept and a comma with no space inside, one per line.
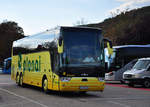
(35,16)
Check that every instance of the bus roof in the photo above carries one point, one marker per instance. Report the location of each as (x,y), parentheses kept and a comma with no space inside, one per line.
(130,46)
(79,27)
(48,35)
(148,58)
(7,59)
(132,50)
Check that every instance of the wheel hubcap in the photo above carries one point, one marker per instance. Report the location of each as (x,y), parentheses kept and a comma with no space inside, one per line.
(17,79)
(45,85)
(21,80)
(147,84)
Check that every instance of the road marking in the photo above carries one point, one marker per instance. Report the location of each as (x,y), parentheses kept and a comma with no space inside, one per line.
(28,99)
(6,83)
(120,98)
(116,103)
(124,86)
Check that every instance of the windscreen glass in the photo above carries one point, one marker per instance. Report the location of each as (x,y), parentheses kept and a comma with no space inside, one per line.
(82,47)
(141,64)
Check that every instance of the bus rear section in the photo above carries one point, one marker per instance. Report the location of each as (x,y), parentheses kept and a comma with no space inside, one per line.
(70,59)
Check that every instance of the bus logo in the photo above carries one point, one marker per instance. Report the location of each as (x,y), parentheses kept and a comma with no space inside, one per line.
(28,64)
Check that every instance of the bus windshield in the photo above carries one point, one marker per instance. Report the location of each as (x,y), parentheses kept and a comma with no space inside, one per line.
(82,48)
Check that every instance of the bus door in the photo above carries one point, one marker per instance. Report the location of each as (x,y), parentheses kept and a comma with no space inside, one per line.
(55,65)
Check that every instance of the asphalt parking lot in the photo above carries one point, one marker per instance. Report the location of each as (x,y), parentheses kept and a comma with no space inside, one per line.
(114,95)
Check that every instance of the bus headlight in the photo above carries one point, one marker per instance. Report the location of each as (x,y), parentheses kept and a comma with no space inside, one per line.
(65,79)
(101,79)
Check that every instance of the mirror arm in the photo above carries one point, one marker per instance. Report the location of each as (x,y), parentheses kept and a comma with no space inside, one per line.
(60,40)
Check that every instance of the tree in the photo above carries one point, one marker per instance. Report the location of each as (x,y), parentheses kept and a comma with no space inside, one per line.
(128,27)
(9,32)
(82,21)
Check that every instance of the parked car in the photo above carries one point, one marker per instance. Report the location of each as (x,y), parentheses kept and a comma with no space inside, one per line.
(118,75)
(139,74)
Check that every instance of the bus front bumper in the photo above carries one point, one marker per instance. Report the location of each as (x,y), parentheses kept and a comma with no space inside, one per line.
(78,85)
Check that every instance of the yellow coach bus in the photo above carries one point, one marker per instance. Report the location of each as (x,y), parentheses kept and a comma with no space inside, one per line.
(61,59)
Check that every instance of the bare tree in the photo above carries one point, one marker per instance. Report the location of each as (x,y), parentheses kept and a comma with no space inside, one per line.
(82,21)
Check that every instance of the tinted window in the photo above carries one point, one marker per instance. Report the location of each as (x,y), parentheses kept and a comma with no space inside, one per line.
(39,42)
(83,46)
(141,64)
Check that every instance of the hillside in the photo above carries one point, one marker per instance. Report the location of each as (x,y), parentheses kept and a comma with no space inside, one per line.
(132,27)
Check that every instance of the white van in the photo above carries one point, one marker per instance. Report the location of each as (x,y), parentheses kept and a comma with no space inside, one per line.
(139,74)
(118,75)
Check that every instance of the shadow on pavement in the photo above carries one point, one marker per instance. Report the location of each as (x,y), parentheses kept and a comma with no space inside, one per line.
(65,94)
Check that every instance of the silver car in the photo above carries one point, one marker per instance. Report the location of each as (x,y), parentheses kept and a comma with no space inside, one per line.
(139,74)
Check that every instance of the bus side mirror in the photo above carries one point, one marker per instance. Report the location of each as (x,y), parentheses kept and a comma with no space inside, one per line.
(109,46)
(60,41)
(60,45)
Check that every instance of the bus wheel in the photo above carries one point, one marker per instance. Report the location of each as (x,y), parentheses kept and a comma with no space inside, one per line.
(21,81)
(45,85)
(17,80)
(147,83)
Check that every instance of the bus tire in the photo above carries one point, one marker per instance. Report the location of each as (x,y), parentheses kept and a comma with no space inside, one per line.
(18,79)
(147,83)
(21,81)
(45,85)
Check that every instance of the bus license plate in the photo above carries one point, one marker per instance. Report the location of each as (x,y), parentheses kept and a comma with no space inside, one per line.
(83,87)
